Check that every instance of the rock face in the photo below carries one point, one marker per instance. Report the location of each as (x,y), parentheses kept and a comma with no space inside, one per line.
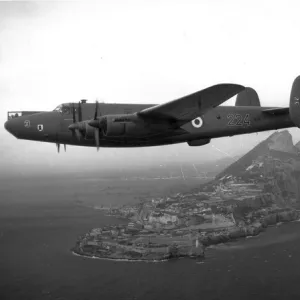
(297,146)
(275,165)
(278,145)
(176,251)
(282,141)
(258,201)
(270,219)
(287,216)
(250,230)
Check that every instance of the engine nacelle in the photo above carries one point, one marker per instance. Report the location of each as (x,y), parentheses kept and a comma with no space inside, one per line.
(113,128)
(294,108)
(117,126)
(200,142)
(127,125)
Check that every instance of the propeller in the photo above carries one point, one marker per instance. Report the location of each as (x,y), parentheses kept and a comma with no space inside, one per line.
(96,110)
(96,129)
(97,140)
(76,126)
(95,121)
(79,112)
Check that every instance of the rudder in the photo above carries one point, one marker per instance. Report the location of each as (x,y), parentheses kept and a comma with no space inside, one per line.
(294,108)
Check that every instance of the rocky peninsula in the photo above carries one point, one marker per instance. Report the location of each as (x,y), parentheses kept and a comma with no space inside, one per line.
(117,242)
(259,190)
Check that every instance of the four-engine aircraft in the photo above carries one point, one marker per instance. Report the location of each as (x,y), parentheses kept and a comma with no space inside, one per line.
(194,119)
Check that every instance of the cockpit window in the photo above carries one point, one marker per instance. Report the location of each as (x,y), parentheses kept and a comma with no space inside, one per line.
(58,109)
(66,110)
(14,114)
(63,109)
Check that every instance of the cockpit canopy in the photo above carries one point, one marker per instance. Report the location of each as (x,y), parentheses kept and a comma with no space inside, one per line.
(65,109)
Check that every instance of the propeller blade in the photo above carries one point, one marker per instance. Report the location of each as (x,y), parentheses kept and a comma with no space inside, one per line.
(74,117)
(58,147)
(79,112)
(97,140)
(78,134)
(96,110)
(74,127)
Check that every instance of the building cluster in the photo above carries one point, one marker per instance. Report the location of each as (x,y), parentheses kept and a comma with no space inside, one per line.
(156,224)
(199,208)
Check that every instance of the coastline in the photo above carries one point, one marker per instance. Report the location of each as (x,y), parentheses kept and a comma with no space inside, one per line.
(253,229)
(119,259)
(207,240)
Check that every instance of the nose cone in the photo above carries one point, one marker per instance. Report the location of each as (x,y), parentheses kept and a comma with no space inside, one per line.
(11,126)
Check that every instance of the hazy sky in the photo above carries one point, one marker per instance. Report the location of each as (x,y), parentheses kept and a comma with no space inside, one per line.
(139,52)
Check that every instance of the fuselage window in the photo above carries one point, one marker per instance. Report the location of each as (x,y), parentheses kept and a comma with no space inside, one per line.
(12,115)
(66,110)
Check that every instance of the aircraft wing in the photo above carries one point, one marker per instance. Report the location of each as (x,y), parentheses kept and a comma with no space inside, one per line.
(277,111)
(188,108)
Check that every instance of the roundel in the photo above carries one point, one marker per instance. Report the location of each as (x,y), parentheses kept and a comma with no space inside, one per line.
(197,123)
(27,123)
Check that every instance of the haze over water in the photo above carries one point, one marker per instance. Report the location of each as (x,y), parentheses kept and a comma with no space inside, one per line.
(40,221)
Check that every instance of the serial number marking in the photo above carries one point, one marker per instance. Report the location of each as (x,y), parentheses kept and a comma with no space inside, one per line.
(238,120)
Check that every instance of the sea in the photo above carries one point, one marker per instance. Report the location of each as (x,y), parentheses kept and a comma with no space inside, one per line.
(39,226)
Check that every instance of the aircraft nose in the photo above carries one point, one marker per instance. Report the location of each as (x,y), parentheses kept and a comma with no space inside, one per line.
(8,126)
(12,126)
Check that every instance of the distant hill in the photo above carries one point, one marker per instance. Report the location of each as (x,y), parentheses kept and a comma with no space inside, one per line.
(273,165)
(278,145)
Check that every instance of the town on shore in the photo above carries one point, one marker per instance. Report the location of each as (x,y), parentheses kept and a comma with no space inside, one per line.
(183,225)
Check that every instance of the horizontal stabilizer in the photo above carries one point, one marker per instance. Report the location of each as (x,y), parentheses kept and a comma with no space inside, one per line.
(276,111)
(248,97)
(192,106)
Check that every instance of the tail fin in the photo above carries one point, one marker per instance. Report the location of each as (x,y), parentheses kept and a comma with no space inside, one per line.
(294,108)
(248,97)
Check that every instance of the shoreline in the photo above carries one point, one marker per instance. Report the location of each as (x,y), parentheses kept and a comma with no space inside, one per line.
(212,239)
(120,259)
(252,230)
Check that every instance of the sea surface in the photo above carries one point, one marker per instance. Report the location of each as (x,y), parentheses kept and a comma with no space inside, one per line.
(38,228)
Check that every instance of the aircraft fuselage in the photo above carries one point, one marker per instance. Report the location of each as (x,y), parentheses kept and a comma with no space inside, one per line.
(218,122)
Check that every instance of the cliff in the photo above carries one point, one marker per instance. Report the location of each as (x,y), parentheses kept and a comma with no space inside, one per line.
(263,221)
(277,145)
(274,165)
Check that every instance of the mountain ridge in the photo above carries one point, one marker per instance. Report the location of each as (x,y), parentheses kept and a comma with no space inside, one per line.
(278,145)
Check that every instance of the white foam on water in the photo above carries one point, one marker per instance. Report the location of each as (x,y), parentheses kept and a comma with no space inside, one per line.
(121,259)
